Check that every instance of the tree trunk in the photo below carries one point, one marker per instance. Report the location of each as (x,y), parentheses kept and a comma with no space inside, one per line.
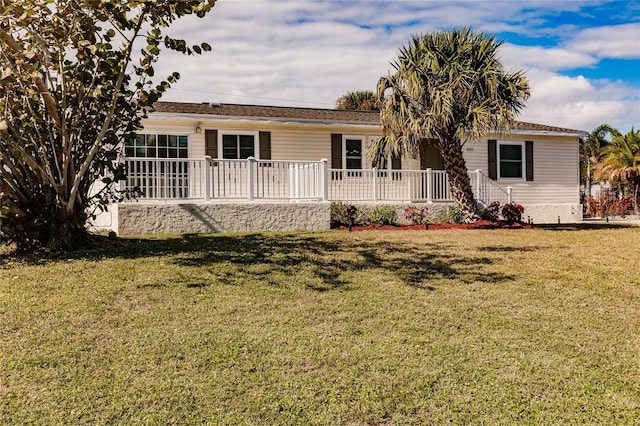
(636,195)
(459,182)
(44,221)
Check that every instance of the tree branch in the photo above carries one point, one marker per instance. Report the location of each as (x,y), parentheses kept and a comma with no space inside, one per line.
(49,100)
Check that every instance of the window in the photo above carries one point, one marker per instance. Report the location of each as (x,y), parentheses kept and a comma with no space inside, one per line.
(352,148)
(238,146)
(353,153)
(157,146)
(510,160)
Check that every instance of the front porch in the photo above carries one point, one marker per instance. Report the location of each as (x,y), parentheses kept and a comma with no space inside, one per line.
(209,180)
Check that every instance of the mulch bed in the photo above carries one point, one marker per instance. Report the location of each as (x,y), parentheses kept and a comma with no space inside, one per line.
(482,224)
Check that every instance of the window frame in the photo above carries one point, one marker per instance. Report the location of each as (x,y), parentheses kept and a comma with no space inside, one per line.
(238,133)
(363,157)
(362,140)
(523,160)
(157,135)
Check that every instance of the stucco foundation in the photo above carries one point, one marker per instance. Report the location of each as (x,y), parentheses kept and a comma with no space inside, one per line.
(552,213)
(148,218)
(142,218)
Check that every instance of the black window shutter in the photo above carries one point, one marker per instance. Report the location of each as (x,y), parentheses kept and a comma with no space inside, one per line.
(493,159)
(336,151)
(529,159)
(336,155)
(265,145)
(211,143)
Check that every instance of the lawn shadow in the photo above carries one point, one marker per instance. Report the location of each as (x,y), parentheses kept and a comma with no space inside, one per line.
(587,226)
(510,248)
(326,261)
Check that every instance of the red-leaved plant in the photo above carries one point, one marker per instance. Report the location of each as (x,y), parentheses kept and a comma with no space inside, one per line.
(512,212)
(349,215)
(417,216)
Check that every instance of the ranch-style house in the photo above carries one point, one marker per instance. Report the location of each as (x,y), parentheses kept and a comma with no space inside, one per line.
(224,167)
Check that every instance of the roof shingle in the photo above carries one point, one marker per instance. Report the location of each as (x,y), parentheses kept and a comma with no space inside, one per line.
(312,114)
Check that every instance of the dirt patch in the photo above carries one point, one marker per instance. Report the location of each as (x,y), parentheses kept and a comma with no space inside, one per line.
(482,224)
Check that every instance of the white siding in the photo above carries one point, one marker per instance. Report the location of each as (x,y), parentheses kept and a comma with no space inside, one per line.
(298,144)
(555,158)
(555,170)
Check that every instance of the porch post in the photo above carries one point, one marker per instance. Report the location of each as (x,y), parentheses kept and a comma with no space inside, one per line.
(324,179)
(510,194)
(375,184)
(479,196)
(250,162)
(122,184)
(429,186)
(207,179)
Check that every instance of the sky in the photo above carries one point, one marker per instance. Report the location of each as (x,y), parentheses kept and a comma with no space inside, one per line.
(582,58)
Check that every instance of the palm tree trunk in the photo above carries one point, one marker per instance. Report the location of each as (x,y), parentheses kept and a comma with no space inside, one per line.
(459,182)
(587,190)
(636,194)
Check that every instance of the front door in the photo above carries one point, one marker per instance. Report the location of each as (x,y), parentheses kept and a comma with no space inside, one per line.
(430,158)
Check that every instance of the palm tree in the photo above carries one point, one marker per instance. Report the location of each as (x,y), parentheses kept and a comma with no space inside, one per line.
(590,148)
(449,86)
(619,162)
(360,100)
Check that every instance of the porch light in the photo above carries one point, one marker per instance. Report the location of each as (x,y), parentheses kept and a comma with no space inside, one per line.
(198,129)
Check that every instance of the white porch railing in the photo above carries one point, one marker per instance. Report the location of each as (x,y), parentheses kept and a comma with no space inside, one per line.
(486,190)
(217,179)
(388,185)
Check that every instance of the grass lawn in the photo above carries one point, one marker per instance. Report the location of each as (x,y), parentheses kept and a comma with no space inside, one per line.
(534,326)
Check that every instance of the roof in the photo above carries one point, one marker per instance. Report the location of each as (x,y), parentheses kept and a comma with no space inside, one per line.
(261,111)
(313,114)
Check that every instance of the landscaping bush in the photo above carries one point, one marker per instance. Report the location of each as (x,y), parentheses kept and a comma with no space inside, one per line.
(608,206)
(416,216)
(512,212)
(491,212)
(343,214)
(335,212)
(454,214)
(383,215)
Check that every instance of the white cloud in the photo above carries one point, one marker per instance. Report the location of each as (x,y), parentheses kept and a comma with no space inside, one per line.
(616,41)
(544,58)
(309,53)
(579,103)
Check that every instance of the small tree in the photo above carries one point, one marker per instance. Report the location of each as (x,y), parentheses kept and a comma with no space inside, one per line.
(70,96)
(360,100)
(590,148)
(619,163)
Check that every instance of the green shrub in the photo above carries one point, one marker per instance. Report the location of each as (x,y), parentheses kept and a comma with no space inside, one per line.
(383,215)
(454,214)
(335,212)
(491,212)
(343,214)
